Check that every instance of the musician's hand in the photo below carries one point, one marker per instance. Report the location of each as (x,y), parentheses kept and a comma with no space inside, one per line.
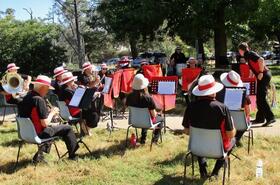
(97,95)
(55,110)
(260,76)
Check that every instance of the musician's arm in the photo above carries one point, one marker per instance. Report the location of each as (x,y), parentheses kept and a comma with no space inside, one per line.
(42,110)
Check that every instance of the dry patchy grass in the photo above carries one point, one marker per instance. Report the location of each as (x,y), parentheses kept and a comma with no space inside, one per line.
(112,164)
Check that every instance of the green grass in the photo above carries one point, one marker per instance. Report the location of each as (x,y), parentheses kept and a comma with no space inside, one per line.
(111,164)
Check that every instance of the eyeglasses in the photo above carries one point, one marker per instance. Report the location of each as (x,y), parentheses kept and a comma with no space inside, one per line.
(104,68)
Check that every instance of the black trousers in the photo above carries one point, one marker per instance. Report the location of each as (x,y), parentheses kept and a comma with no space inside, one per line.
(157,131)
(67,134)
(219,162)
(264,110)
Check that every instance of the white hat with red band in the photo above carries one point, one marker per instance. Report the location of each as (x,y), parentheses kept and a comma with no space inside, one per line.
(87,65)
(11,66)
(67,77)
(207,86)
(231,79)
(103,66)
(59,71)
(43,80)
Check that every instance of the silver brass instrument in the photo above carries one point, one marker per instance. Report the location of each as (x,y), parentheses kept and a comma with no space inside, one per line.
(57,117)
(12,83)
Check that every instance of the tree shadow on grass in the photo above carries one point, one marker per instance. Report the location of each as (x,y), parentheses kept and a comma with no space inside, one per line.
(8,131)
(180,158)
(9,168)
(175,180)
(11,143)
(116,149)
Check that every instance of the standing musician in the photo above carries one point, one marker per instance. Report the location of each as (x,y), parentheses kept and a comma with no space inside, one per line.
(177,58)
(91,115)
(16,98)
(263,75)
(89,77)
(103,73)
(123,63)
(57,78)
(33,106)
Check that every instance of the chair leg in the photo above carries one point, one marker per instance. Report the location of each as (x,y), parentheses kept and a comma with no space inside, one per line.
(14,109)
(152,140)
(185,167)
(126,140)
(192,165)
(136,132)
(4,114)
(252,134)
(81,141)
(225,167)
(20,145)
(56,149)
(228,167)
(249,138)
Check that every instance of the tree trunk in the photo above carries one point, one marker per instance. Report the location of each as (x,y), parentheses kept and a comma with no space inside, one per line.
(133,48)
(200,53)
(78,35)
(220,39)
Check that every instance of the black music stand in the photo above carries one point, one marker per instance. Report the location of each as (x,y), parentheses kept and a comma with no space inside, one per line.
(155,90)
(82,99)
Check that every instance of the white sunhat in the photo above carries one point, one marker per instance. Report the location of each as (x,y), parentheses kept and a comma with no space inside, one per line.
(231,79)
(207,86)
(140,82)
(43,80)
(11,66)
(86,65)
(59,71)
(67,77)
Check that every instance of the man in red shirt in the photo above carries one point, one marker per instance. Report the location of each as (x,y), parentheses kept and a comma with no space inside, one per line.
(263,75)
(206,112)
(34,106)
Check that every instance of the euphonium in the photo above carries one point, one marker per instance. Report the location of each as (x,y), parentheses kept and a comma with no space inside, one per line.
(12,83)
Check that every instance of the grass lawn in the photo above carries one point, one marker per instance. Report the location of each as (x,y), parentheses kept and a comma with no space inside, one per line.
(112,164)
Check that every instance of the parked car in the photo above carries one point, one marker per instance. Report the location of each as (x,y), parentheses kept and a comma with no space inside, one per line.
(267,54)
(112,61)
(151,57)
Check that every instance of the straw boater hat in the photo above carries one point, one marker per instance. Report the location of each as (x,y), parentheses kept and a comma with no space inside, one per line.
(207,86)
(67,77)
(140,82)
(11,66)
(43,80)
(59,71)
(231,79)
(86,65)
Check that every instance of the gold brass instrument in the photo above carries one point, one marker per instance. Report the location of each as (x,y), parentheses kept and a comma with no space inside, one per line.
(12,83)
(57,117)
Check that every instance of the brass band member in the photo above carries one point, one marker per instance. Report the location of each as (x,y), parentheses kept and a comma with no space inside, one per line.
(89,77)
(33,106)
(16,98)
(68,88)
(57,79)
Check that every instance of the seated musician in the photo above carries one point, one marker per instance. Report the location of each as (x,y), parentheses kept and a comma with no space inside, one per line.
(89,77)
(232,79)
(140,98)
(192,63)
(123,63)
(34,106)
(68,88)
(103,73)
(143,63)
(16,98)
(58,78)
(206,112)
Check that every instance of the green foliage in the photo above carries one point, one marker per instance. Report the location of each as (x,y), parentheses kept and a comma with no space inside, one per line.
(31,45)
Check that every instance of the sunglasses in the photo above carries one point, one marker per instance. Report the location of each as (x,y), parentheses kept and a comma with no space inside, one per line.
(104,68)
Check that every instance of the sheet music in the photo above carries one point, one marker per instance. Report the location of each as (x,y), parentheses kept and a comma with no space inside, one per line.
(108,82)
(77,97)
(233,98)
(166,87)
(247,85)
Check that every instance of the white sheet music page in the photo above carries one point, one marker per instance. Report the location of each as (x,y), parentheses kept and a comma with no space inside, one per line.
(233,98)
(77,97)
(108,82)
(166,87)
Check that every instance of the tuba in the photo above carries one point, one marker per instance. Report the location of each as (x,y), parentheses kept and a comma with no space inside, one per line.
(12,83)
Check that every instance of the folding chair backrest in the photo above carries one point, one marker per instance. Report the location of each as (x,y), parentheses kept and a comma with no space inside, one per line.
(139,117)
(3,101)
(239,120)
(206,143)
(53,98)
(64,111)
(26,130)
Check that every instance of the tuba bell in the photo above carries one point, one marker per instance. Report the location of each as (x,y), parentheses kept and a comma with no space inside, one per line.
(12,83)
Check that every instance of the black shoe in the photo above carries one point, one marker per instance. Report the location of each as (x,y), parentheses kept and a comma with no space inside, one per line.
(257,121)
(203,172)
(38,157)
(269,123)
(142,141)
(73,158)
